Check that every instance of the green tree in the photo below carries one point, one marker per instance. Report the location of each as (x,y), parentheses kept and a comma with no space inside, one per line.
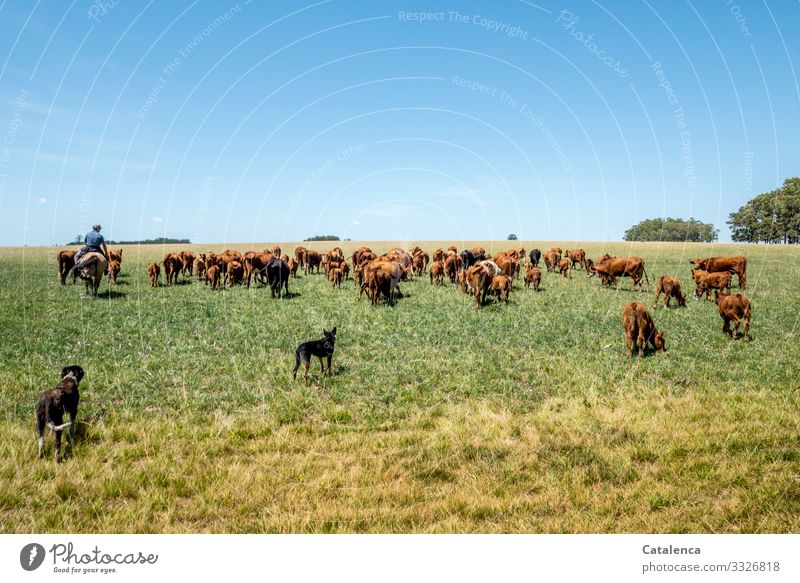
(512,237)
(670,229)
(771,217)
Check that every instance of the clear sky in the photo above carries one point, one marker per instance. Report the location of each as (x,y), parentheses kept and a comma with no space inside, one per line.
(274,121)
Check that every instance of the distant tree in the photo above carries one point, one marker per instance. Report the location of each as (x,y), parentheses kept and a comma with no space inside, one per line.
(772,217)
(323,238)
(512,237)
(672,230)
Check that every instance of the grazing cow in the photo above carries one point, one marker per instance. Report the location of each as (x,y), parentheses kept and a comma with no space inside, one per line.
(451,266)
(565,267)
(577,256)
(115,255)
(480,277)
(557,250)
(153,271)
(232,254)
(535,256)
(717,281)
(199,266)
(640,329)
(478,251)
(113,271)
(235,273)
(361,255)
(436,273)
(736,264)
(671,288)
(589,265)
(551,259)
(300,256)
(278,276)
(313,260)
(533,276)
(345,269)
(213,273)
(172,267)
(507,263)
(379,284)
(610,269)
(501,286)
(734,308)
(438,255)
(66,261)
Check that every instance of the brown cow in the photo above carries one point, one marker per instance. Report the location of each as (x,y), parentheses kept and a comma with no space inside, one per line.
(577,256)
(234,273)
(734,308)
(66,261)
(565,267)
(640,329)
(533,276)
(293,265)
(436,273)
(478,251)
(551,259)
(213,275)
(671,288)
(720,281)
(735,264)
(115,255)
(480,278)
(313,260)
(335,277)
(113,270)
(610,269)
(451,266)
(501,286)
(199,266)
(508,264)
(153,271)
(438,255)
(255,266)
(390,268)
(187,263)
(300,256)
(172,267)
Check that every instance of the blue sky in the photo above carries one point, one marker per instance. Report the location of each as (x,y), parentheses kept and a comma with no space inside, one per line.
(274,121)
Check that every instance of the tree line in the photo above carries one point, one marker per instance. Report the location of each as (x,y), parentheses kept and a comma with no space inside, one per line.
(672,230)
(772,217)
(158,241)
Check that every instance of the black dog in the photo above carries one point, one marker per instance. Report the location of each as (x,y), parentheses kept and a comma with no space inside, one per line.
(319,348)
(54,403)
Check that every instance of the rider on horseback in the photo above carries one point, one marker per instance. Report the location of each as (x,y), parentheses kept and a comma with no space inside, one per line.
(94,244)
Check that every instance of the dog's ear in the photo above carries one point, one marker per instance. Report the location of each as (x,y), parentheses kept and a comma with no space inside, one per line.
(65,371)
(324,332)
(333,331)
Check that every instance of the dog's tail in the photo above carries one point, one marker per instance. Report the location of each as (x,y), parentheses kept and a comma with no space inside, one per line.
(59,427)
(296,363)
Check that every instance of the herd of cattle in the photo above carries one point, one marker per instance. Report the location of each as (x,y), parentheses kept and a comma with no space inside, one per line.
(477,273)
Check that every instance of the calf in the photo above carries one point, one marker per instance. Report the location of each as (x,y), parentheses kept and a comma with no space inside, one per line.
(640,329)
(153,271)
(565,267)
(452,264)
(172,267)
(199,266)
(716,281)
(577,256)
(113,270)
(213,275)
(533,276)
(313,260)
(187,263)
(671,288)
(66,261)
(115,255)
(736,309)
(551,259)
(501,286)
(436,273)
(335,275)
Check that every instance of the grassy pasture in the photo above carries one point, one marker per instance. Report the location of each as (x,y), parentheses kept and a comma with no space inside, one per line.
(440,418)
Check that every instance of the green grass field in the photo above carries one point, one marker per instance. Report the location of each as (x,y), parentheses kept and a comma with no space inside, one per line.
(439,418)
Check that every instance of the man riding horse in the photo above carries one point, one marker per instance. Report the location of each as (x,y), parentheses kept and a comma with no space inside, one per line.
(91,261)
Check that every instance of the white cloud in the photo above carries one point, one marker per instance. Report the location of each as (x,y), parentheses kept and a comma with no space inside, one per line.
(41,200)
(356,222)
(158,219)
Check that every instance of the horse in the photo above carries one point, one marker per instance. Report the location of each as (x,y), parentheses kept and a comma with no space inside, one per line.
(91,269)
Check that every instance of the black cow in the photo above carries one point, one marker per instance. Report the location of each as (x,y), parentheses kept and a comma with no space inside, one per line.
(469,258)
(278,276)
(535,256)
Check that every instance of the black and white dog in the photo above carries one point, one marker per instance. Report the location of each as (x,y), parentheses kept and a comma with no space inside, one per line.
(320,348)
(54,403)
